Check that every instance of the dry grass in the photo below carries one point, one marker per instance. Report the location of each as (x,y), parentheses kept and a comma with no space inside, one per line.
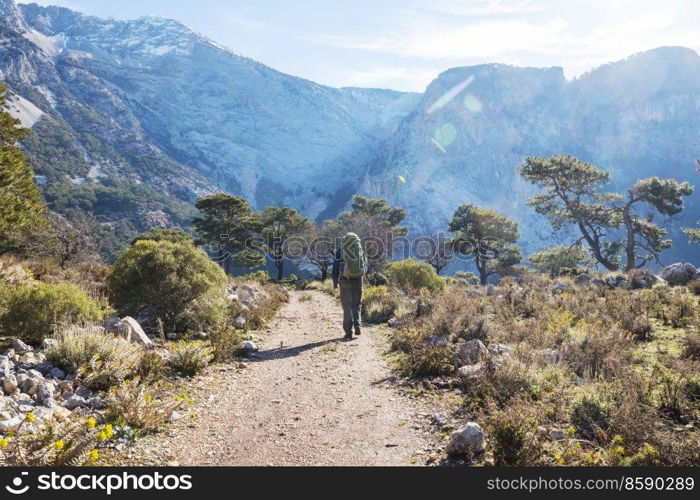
(617,369)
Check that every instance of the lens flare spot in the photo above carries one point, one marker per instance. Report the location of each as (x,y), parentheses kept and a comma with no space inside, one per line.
(472,103)
(450,94)
(444,136)
(402,179)
(437,145)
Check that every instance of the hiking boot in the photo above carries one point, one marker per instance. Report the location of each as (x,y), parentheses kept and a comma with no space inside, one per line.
(348,336)
(358,332)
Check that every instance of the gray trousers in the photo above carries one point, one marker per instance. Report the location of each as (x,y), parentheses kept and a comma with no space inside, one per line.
(350,298)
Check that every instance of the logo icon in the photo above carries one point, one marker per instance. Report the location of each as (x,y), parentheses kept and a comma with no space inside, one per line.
(17,483)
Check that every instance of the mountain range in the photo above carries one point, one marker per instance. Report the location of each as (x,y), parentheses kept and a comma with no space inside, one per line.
(135,119)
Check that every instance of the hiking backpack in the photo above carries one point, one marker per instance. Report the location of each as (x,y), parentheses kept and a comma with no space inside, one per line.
(353,257)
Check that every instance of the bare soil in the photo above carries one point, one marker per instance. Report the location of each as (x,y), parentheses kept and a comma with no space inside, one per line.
(306,398)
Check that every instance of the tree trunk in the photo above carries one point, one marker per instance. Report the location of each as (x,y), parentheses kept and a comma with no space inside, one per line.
(631,260)
(279,264)
(482,271)
(595,248)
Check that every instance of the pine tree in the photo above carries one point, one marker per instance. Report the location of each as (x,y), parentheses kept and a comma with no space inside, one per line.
(226,225)
(694,233)
(645,239)
(571,196)
(21,203)
(278,225)
(488,237)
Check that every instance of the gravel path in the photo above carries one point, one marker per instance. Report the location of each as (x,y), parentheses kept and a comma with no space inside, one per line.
(307,398)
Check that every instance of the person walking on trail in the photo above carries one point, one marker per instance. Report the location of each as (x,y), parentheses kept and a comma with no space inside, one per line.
(349,267)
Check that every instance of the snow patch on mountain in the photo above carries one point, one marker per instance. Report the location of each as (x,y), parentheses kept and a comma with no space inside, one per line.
(22,109)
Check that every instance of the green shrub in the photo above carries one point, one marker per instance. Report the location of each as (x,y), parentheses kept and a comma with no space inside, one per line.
(31,312)
(647,456)
(680,311)
(225,340)
(175,282)
(672,394)
(691,347)
(171,235)
(189,357)
(590,413)
(378,304)
(151,366)
(261,276)
(141,406)
(556,259)
(426,361)
(411,276)
(76,346)
(102,360)
(513,436)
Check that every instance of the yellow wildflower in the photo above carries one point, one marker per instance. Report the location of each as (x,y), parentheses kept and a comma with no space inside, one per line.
(31,417)
(94,455)
(59,445)
(102,436)
(4,442)
(91,422)
(148,398)
(109,431)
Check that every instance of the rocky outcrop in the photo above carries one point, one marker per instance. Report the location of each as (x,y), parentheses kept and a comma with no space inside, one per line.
(38,387)
(679,274)
(467,441)
(472,352)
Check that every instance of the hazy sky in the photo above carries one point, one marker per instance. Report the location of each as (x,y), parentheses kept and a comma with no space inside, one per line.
(404,44)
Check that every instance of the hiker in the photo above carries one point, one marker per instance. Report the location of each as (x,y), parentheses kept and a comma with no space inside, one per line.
(348,269)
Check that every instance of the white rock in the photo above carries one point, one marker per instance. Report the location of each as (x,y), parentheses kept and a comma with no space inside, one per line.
(57,373)
(65,386)
(467,441)
(250,346)
(10,384)
(110,324)
(130,329)
(175,416)
(679,274)
(470,371)
(74,402)
(394,322)
(472,351)
(11,424)
(20,347)
(501,349)
(44,394)
(437,341)
(29,386)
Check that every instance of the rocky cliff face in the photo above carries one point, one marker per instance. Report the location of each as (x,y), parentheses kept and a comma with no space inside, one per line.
(635,118)
(151,102)
(153,105)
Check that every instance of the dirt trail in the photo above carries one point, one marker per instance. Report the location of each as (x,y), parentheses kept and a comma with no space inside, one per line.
(307,398)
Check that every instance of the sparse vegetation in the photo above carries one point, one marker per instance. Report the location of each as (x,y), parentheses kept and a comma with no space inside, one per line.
(189,357)
(610,370)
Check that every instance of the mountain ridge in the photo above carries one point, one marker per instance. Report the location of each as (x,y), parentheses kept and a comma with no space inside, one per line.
(231,123)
